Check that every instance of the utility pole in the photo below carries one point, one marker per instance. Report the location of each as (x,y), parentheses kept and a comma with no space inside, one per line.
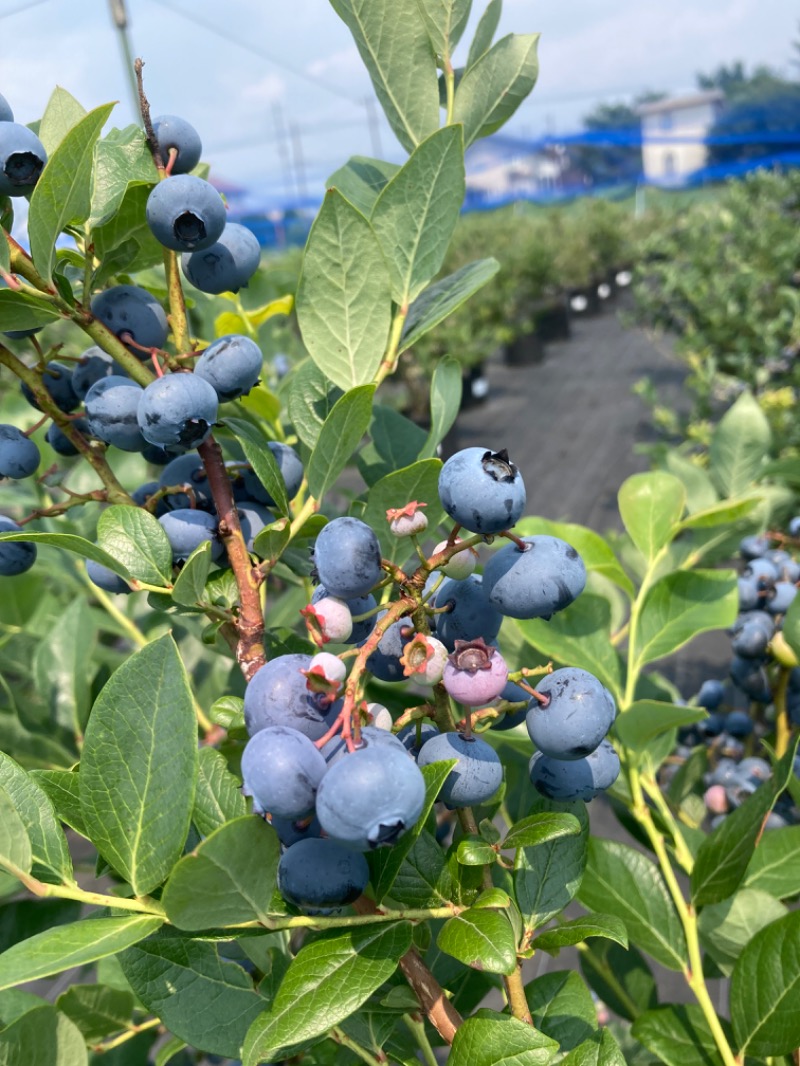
(119,16)
(374,128)
(299,162)
(283,148)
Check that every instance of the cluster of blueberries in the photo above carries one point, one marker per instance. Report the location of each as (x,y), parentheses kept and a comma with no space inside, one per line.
(767,587)
(332,792)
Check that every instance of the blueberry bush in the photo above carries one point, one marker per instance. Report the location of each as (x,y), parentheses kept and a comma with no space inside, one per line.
(300,723)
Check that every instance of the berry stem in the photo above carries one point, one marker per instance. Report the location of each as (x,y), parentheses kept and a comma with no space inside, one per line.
(783,730)
(250,653)
(389,361)
(116,493)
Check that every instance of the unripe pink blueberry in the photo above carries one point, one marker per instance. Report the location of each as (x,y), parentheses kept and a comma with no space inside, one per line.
(475,673)
(424,659)
(460,565)
(381,717)
(408,520)
(332,667)
(328,619)
(716,799)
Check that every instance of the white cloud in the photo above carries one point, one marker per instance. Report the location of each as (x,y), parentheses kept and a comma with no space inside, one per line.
(266,90)
(341,64)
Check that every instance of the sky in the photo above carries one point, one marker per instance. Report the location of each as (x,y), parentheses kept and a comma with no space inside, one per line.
(280,97)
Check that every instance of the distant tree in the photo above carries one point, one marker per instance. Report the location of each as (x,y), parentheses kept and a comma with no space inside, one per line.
(611,163)
(758,103)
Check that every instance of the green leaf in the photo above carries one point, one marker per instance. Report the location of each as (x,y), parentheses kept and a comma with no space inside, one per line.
(394,45)
(416,213)
(646,719)
(723,858)
(622,979)
(22,310)
(791,626)
(397,442)
(492,90)
(263,462)
(726,927)
(580,636)
(739,446)
(625,883)
(681,605)
(61,195)
(15,845)
(66,946)
(485,31)
(201,999)
(775,864)
(491,1039)
(721,514)
(576,931)
(137,540)
(61,113)
(439,300)
(273,539)
(482,939)
(125,242)
(600,1050)
(122,159)
(419,482)
(339,438)
(139,766)
(547,875)
(678,1035)
(446,21)
(168,1051)
(42,1037)
(562,1008)
(190,583)
(227,711)
(361,180)
(651,505)
(69,542)
(326,982)
(60,666)
(765,990)
(311,400)
(385,863)
(15,1002)
(49,852)
(540,829)
(63,789)
(97,1010)
(446,386)
(229,879)
(472,851)
(219,796)
(595,552)
(343,294)
(700,492)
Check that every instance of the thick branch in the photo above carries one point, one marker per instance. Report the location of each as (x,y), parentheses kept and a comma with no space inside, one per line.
(250,652)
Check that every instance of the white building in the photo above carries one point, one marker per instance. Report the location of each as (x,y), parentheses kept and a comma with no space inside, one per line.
(674,132)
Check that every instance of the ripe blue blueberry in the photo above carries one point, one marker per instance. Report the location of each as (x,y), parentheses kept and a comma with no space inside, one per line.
(750,640)
(318,874)
(371,737)
(748,594)
(482,490)
(60,442)
(133,315)
(106,579)
(711,694)
(470,614)
(142,493)
(578,779)
(232,365)
(187,470)
(6,114)
(782,595)
(227,265)
(57,380)
(291,831)
(535,582)
(172,132)
(370,797)
(22,159)
(177,409)
(749,676)
(253,518)
(414,736)
(756,545)
(15,556)
(19,457)
(111,406)
(185,213)
(347,557)
(739,724)
(279,695)
(384,662)
(94,365)
(477,775)
(187,529)
(281,770)
(578,714)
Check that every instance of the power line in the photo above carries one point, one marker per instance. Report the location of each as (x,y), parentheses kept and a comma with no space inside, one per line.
(22,7)
(248,47)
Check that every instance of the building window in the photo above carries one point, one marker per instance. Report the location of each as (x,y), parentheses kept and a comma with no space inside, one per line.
(669,164)
(665,120)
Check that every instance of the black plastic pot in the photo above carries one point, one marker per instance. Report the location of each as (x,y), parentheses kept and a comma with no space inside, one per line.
(475,386)
(585,302)
(525,350)
(552,321)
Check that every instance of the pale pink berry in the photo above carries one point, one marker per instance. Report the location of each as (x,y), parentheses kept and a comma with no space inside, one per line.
(424,659)
(407,521)
(332,667)
(381,717)
(475,673)
(461,564)
(328,619)
(716,799)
